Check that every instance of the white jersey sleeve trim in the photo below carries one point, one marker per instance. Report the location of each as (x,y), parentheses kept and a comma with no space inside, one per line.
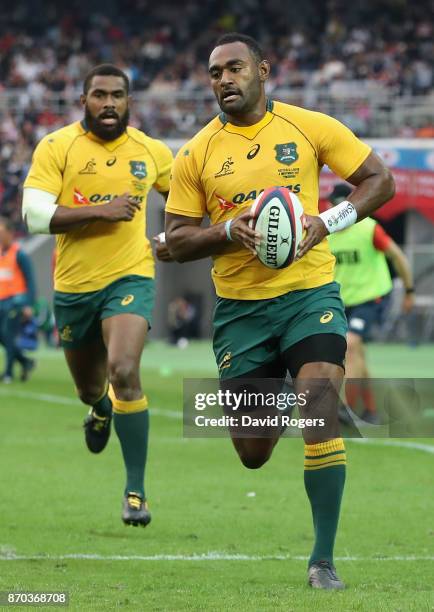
(38,209)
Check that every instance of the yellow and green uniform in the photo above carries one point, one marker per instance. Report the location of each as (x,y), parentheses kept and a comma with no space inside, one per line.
(102,269)
(224,168)
(361,268)
(262,312)
(83,170)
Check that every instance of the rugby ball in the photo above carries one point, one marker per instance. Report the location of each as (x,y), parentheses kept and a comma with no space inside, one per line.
(278,217)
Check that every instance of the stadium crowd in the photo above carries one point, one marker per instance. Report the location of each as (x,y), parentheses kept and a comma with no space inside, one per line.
(333,56)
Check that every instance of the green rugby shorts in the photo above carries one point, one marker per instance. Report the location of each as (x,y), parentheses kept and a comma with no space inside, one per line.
(251,333)
(79,315)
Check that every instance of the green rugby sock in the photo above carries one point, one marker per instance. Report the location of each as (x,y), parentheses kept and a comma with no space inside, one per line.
(103,407)
(131,422)
(324,479)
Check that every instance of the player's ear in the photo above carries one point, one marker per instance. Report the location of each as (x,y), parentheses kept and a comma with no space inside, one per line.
(82,99)
(264,70)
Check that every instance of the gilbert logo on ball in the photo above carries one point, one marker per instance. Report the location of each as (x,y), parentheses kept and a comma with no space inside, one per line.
(278,217)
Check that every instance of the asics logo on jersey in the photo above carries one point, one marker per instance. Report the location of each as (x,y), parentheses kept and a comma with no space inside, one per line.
(226,168)
(110,162)
(253,151)
(127,300)
(89,167)
(326,317)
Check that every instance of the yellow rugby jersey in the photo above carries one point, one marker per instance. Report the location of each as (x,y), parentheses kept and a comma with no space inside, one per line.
(83,170)
(224,168)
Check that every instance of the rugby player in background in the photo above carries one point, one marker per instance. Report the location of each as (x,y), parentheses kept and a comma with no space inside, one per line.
(361,270)
(88,184)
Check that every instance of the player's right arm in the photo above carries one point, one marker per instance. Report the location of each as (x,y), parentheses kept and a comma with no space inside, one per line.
(402,266)
(185,210)
(43,215)
(188,241)
(121,208)
(41,210)
(384,243)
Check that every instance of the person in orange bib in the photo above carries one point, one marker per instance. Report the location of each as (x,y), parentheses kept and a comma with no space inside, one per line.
(17,297)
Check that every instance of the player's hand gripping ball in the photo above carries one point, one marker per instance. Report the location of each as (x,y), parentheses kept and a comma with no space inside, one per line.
(278,217)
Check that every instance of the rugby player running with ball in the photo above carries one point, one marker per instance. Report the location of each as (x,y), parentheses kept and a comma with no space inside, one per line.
(269,321)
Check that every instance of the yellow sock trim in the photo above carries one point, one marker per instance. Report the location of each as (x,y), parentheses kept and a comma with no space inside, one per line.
(337,444)
(111,393)
(324,454)
(325,465)
(328,459)
(123,407)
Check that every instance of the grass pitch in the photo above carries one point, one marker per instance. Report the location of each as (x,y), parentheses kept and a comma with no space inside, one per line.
(222,537)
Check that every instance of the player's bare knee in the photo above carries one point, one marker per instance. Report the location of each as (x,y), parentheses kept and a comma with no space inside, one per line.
(123,374)
(90,394)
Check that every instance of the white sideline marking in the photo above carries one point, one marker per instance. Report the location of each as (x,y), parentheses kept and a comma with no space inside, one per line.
(70,401)
(39,397)
(209,556)
(427,448)
(173,414)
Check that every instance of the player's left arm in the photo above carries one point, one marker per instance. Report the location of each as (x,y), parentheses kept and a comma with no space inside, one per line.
(402,266)
(354,161)
(374,186)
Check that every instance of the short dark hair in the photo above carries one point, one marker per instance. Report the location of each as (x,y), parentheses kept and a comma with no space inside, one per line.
(105,70)
(254,47)
(8,223)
